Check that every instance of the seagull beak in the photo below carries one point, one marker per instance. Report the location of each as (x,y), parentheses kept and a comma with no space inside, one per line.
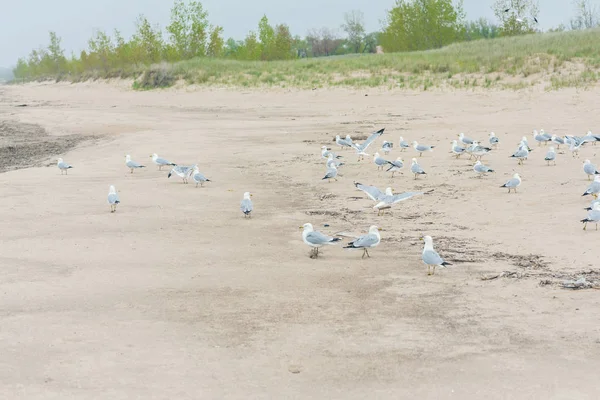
(301,227)
(251,195)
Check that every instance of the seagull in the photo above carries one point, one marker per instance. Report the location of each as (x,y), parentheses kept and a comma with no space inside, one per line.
(403,144)
(361,148)
(198,177)
(342,142)
(481,169)
(113,198)
(594,188)
(593,216)
(332,160)
(386,147)
(513,183)
(380,162)
(540,138)
(557,140)
(456,149)
(161,162)
(590,137)
(478,151)
(574,146)
(421,148)
(464,140)
(396,165)
(365,242)
(182,171)
(325,152)
(246,205)
(525,143)
(316,239)
(387,199)
(416,169)
(522,153)
(590,169)
(592,205)
(546,136)
(331,173)
(63,166)
(349,140)
(430,257)
(551,156)
(494,141)
(132,164)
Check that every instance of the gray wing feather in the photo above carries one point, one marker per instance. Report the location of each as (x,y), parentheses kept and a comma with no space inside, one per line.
(371,191)
(512,183)
(162,161)
(590,169)
(133,164)
(113,198)
(416,169)
(246,205)
(365,241)
(404,196)
(431,257)
(316,237)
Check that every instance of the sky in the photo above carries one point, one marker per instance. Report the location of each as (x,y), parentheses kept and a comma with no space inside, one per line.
(24,24)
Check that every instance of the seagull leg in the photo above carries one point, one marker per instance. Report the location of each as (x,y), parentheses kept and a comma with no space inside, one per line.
(584,226)
(433,270)
(428,270)
(367,251)
(363,254)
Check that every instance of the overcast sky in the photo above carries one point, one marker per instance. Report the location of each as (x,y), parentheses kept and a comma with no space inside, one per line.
(24,24)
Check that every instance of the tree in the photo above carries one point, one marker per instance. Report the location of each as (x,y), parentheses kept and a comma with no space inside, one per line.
(56,54)
(188,29)
(422,25)
(481,29)
(587,15)
(322,42)
(266,35)
(371,42)
(148,40)
(517,17)
(101,51)
(216,43)
(282,47)
(21,70)
(354,26)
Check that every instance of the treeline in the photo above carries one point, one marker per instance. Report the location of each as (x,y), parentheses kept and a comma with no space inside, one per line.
(410,25)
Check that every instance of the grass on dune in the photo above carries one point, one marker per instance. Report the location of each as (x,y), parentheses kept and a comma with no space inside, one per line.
(560,59)
(563,59)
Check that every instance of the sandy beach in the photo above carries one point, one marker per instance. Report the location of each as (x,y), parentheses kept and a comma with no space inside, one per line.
(177,296)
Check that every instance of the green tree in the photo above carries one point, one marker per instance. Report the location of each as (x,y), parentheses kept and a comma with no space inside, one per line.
(282,47)
(21,70)
(56,55)
(216,44)
(481,29)
(371,42)
(354,26)
(517,17)
(188,29)
(101,53)
(148,40)
(422,25)
(251,49)
(266,35)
